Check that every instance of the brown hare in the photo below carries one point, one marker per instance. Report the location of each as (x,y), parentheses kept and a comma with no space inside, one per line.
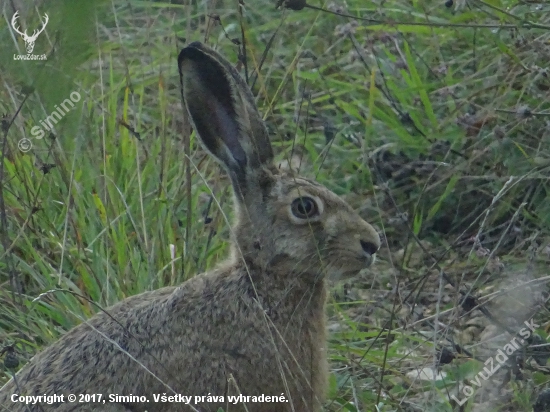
(255,325)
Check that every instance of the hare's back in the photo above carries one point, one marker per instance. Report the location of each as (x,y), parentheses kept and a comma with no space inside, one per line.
(94,357)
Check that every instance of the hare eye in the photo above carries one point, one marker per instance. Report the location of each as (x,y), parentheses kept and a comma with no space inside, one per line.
(304,207)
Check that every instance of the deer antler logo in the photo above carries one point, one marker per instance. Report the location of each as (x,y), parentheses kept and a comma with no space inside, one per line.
(29,40)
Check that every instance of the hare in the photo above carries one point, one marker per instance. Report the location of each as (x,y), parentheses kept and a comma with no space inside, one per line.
(255,325)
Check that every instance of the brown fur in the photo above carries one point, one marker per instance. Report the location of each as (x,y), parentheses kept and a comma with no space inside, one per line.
(253,326)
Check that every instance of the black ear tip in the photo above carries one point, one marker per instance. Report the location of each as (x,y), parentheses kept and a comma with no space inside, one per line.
(195,45)
(191,51)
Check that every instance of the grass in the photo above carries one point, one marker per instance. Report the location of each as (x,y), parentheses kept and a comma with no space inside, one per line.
(432,121)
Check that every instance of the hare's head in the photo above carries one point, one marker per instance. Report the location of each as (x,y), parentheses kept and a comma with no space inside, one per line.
(284,220)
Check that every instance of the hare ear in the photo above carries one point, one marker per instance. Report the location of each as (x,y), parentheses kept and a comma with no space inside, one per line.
(223,112)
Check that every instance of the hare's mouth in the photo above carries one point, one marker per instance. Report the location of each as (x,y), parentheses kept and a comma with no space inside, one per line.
(366,260)
(349,267)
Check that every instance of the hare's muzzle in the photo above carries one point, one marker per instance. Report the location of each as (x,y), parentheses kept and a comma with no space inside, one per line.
(370,243)
(369,248)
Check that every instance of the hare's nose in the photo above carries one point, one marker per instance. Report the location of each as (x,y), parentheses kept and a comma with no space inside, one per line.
(369,247)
